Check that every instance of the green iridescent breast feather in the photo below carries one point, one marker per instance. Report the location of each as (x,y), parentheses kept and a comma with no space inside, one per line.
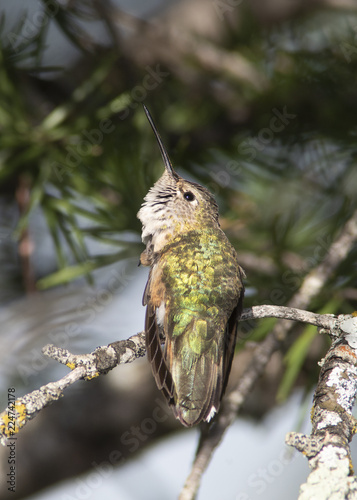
(200,273)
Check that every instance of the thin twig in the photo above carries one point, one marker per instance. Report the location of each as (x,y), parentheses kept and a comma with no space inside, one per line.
(327,321)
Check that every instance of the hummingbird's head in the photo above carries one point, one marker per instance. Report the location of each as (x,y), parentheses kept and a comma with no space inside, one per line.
(174,205)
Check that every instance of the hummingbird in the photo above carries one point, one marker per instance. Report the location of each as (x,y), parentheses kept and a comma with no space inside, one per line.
(193,295)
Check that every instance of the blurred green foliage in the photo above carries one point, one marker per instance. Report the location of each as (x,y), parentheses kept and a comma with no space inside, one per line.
(276,144)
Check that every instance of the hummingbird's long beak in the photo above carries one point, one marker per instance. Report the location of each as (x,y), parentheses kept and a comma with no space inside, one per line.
(165,156)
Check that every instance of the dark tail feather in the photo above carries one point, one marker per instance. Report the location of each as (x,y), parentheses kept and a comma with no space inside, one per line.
(230,340)
(155,355)
(198,392)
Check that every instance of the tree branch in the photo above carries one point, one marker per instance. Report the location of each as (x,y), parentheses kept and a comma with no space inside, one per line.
(333,426)
(326,321)
(105,358)
(83,366)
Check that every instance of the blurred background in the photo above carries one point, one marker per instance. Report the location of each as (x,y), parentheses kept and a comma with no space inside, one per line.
(255,100)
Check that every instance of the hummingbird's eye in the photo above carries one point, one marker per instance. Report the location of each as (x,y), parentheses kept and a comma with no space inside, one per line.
(189,196)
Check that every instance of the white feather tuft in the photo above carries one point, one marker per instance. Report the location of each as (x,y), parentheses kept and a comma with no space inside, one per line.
(211,414)
(160,314)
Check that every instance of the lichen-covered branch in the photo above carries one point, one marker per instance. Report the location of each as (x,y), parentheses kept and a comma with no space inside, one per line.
(105,358)
(326,321)
(83,366)
(333,426)
(24,409)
